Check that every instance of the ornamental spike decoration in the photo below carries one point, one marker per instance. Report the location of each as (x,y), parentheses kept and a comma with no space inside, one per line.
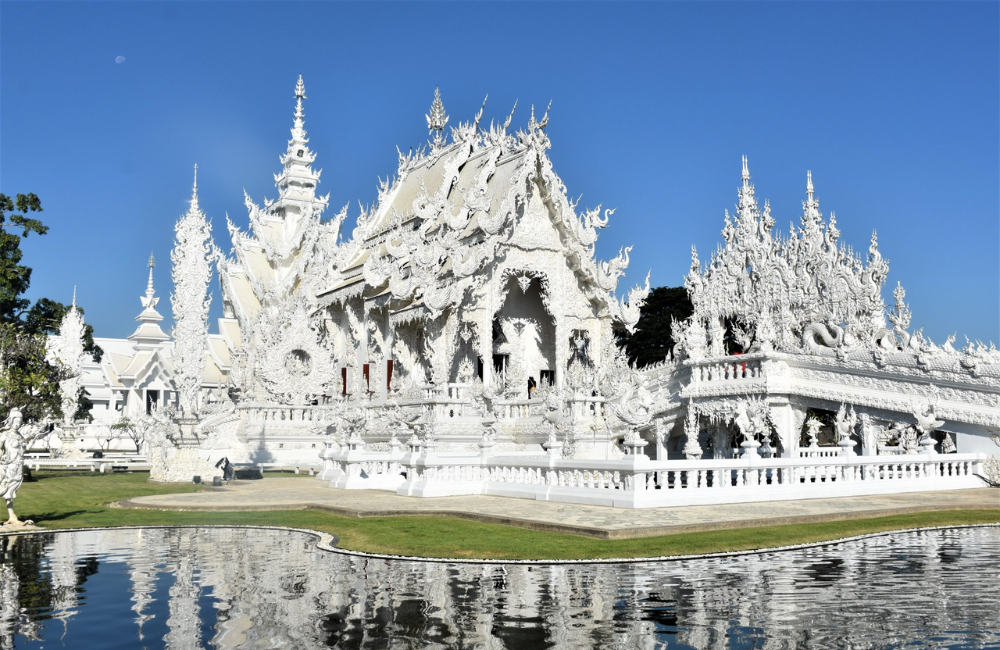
(436,120)
(192,271)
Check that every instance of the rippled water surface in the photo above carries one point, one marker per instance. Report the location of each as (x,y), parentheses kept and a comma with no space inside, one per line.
(238,588)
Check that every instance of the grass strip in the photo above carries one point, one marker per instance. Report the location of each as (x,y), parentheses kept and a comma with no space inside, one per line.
(79,500)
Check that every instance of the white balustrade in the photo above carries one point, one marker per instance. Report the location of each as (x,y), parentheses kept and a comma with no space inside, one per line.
(287,414)
(736,368)
(637,481)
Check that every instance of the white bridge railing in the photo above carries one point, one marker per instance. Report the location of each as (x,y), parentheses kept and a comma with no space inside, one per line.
(638,482)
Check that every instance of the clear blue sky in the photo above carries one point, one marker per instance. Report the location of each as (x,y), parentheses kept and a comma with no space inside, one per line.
(894,107)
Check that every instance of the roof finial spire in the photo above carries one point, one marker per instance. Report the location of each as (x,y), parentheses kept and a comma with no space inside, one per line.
(810,207)
(437,119)
(74,296)
(297,180)
(149,284)
(746,173)
(194,190)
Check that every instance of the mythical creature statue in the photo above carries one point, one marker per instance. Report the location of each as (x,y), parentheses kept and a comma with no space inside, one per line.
(828,335)
(633,407)
(813,427)
(927,423)
(845,423)
(692,447)
(487,395)
(353,422)
(751,418)
(15,438)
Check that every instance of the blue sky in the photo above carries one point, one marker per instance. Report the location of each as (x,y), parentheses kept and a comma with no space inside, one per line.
(895,107)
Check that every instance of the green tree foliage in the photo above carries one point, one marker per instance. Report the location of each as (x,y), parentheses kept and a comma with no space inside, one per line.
(653,339)
(27,380)
(15,277)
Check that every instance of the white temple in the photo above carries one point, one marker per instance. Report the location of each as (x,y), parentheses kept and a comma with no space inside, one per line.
(461,340)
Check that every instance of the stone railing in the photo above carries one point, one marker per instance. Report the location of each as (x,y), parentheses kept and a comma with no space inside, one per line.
(276,413)
(637,482)
(734,368)
(581,407)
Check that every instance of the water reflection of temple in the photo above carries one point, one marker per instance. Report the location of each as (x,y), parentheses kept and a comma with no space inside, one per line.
(255,589)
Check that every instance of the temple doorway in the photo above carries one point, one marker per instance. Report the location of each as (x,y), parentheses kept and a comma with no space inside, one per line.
(524,336)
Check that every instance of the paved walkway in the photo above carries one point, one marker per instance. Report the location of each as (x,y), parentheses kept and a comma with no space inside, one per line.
(595,521)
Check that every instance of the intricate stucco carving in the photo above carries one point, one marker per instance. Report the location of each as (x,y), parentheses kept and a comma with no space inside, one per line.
(192,271)
(293,363)
(807,287)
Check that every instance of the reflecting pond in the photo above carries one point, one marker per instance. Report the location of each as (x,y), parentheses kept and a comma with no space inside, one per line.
(244,588)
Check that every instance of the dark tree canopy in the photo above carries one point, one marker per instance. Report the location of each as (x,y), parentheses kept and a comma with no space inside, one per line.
(653,340)
(14,276)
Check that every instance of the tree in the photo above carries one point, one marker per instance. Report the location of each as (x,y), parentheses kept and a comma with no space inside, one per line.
(653,339)
(131,429)
(104,436)
(15,277)
(27,380)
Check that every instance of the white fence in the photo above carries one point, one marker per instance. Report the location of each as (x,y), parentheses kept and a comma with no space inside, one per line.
(638,482)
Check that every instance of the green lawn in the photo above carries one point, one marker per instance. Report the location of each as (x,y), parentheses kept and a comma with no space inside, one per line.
(79,499)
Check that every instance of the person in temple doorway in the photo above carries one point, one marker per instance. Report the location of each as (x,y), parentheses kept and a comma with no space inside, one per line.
(531,386)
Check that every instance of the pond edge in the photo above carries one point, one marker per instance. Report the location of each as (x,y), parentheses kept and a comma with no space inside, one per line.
(328,542)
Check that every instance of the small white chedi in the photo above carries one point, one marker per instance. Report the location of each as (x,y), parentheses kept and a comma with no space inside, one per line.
(468,302)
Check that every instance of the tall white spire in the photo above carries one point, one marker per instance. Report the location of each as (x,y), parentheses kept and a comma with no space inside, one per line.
(149,334)
(297,181)
(192,258)
(150,300)
(194,190)
(811,216)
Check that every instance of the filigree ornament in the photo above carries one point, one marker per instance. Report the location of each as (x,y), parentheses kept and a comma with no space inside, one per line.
(294,365)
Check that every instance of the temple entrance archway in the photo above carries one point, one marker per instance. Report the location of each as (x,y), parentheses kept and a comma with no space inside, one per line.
(523,334)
